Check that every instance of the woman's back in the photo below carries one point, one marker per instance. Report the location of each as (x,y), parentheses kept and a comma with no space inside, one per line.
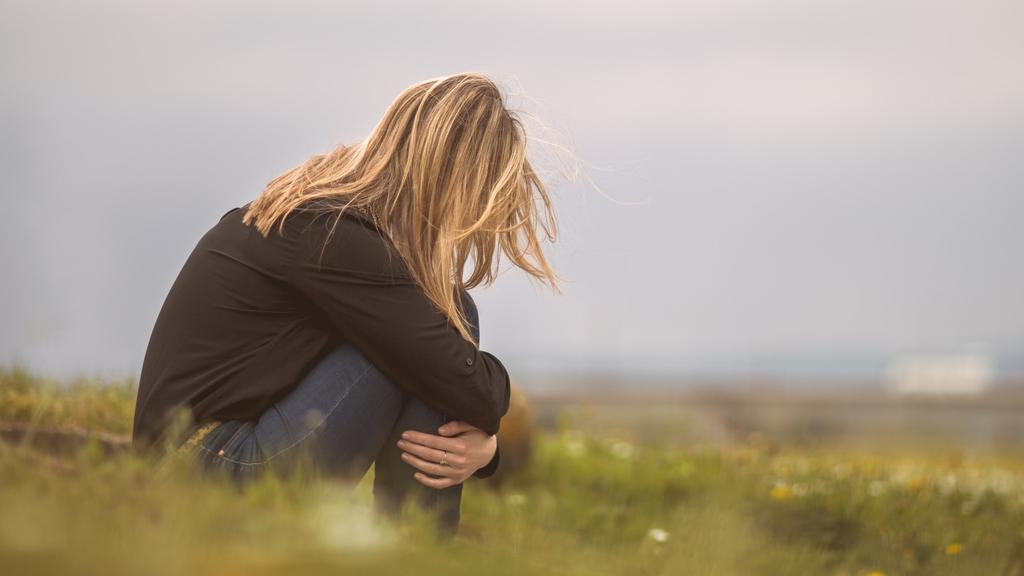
(248,315)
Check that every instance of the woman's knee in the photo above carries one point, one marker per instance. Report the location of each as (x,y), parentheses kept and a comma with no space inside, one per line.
(346,361)
(343,377)
(351,369)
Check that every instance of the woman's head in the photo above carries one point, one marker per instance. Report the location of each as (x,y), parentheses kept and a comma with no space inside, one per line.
(445,175)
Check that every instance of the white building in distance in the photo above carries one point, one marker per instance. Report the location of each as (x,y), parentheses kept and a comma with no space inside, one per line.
(940,375)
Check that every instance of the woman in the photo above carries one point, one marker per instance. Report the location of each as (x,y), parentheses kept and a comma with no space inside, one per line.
(330,316)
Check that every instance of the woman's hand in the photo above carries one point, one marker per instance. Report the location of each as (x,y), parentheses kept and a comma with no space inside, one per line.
(462,448)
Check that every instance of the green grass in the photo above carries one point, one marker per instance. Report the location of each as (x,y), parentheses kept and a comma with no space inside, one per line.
(585,505)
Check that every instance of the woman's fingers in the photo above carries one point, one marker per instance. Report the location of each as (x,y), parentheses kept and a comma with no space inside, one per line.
(450,445)
(430,467)
(455,427)
(438,483)
(431,454)
(425,452)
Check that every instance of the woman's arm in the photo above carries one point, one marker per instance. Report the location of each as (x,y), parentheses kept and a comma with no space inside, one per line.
(362,286)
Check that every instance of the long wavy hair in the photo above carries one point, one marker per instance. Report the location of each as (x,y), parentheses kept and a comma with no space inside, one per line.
(445,176)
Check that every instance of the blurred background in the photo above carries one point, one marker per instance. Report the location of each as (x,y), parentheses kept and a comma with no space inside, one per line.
(798,217)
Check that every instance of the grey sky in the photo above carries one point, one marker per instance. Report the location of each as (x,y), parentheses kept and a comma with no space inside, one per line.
(805,184)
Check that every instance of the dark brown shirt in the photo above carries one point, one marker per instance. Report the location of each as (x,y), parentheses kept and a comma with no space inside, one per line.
(247,317)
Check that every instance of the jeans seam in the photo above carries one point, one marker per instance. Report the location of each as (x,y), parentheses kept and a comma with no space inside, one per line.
(228,458)
(306,435)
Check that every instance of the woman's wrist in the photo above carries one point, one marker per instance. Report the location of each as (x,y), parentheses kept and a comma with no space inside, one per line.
(491,467)
(458,452)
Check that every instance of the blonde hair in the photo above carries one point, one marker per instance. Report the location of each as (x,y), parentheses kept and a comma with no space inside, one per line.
(445,176)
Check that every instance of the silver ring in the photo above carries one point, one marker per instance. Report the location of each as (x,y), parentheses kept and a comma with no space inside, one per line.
(444,459)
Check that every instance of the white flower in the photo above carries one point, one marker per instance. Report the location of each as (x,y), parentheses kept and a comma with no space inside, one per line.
(622,450)
(658,535)
(343,525)
(876,488)
(575,448)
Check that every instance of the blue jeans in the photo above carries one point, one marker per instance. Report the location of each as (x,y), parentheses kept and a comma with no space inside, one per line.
(344,416)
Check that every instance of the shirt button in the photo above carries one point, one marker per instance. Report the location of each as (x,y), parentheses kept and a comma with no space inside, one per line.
(469,361)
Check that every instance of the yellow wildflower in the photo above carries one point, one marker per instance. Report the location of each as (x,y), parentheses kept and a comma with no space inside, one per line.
(781,492)
(954,549)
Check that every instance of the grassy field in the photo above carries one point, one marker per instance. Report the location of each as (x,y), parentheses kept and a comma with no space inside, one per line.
(587,503)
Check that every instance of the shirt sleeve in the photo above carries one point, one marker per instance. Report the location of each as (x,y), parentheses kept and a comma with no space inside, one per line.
(359,281)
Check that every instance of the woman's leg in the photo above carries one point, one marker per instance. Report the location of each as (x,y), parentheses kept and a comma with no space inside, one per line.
(338,416)
(343,415)
(393,481)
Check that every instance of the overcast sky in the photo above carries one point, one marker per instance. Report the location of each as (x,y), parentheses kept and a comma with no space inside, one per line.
(777,187)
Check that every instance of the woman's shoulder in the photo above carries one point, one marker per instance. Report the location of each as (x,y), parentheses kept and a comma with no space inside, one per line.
(327,223)
(350,240)
(324,209)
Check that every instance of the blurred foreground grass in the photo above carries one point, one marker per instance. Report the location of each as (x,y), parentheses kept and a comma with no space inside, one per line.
(585,505)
